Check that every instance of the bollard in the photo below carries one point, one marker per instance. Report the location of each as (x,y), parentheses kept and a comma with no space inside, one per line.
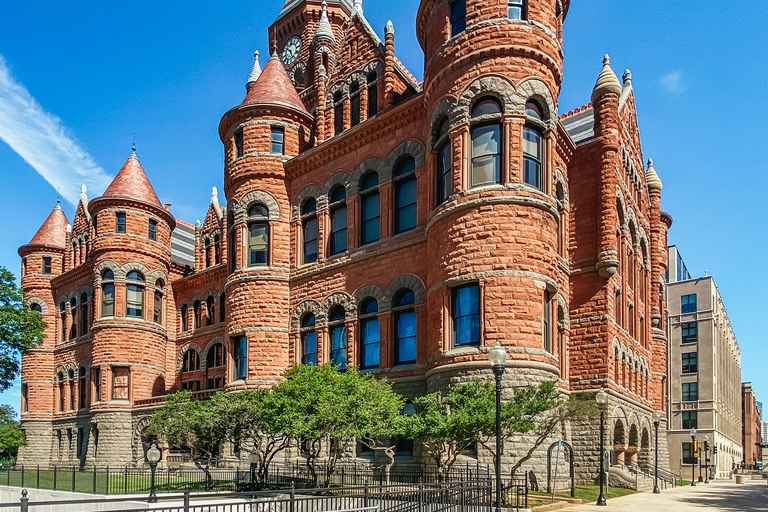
(293,498)
(186,498)
(73,478)
(24,501)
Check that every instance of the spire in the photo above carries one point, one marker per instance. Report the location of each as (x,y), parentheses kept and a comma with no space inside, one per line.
(389,28)
(274,86)
(83,195)
(53,232)
(606,82)
(324,26)
(255,72)
(651,178)
(358,6)
(131,182)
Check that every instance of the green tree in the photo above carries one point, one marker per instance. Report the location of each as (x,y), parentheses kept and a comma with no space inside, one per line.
(20,328)
(11,435)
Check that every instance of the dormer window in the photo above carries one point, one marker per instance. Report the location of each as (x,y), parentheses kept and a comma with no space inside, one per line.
(120,222)
(277,139)
(458,17)
(516,9)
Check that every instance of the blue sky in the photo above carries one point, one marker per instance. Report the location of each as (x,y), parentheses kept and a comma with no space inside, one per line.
(78,79)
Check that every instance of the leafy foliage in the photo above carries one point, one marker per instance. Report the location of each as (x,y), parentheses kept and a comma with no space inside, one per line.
(21,329)
(11,435)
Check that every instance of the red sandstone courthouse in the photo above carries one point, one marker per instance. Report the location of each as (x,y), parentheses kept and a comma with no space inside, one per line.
(375,221)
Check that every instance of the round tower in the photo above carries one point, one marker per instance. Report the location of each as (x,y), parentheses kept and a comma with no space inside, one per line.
(492,77)
(42,260)
(131,255)
(266,130)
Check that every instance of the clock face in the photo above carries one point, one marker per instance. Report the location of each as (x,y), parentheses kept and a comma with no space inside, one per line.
(291,50)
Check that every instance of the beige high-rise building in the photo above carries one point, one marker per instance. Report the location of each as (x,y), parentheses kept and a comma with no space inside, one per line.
(704,373)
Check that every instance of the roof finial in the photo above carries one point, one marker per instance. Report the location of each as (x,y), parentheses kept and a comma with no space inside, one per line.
(58,204)
(359,6)
(274,48)
(627,77)
(324,28)
(606,82)
(83,195)
(214,196)
(652,179)
(133,144)
(255,71)
(389,28)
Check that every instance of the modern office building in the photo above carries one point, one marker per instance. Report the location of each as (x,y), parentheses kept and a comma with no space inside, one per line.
(750,417)
(704,372)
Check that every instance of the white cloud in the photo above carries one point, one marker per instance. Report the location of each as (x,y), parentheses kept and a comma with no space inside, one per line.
(41,140)
(672,83)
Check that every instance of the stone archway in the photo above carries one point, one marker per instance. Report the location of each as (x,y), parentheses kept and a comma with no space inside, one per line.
(141,442)
(619,442)
(633,447)
(645,456)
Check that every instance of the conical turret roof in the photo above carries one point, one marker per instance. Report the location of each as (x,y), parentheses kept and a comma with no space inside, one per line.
(652,178)
(324,29)
(53,232)
(274,86)
(606,82)
(132,182)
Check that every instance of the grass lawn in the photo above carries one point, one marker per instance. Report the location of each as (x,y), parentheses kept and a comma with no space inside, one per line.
(588,493)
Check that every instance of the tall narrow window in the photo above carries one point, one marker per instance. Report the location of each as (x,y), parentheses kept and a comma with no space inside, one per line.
(73,312)
(184,319)
(516,9)
(82,388)
(97,386)
(191,361)
(157,309)
(210,311)
(338,333)
(216,249)
(370,210)
(46,264)
(198,313)
(232,251)
(338,205)
(63,313)
(152,233)
(354,103)
(25,397)
(238,143)
(443,170)
(258,235)
(688,303)
(239,356)
(120,382)
(690,362)
(373,95)
(369,333)
(690,332)
(84,314)
(309,229)
(405,327)
(277,140)
(405,195)
(134,295)
(62,391)
(486,143)
(547,322)
(465,312)
(308,340)
(222,309)
(458,17)
(338,113)
(533,146)
(107,294)
(71,375)
(690,391)
(120,222)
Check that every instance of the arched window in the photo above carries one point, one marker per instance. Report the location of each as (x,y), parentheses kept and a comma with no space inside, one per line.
(191,361)
(373,95)
(486,143)
(370,211)
(215,356)
(73,312)
(62,391)
(207,253)
(107,294)
(369,333)
(63,315)
(222,311)
(338,205)
(184,320)
(36,307)
(533,146)
(82,388)
(232,244)
(210,310)
(216,249)
(405,195)
(157,309)
(309,229)
(338,333)
(308,340)
(354,103)
(198,310)
(405,327)
(84,314)
(134,295)
(338,113)
(547,321)
(258,235)
(443,170)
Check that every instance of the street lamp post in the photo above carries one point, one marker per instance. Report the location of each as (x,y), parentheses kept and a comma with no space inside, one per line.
(602,401)
(656,421)
(253,458)
(153,457)
(693,458)
(497,357)
(706,458)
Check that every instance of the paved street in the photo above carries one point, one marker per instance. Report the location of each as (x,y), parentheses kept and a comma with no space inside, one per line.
(719,495)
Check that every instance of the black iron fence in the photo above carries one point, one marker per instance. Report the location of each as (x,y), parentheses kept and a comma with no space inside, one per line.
(442,497)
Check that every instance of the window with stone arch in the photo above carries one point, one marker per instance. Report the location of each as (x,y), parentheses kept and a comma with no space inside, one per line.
(373,94)
(198,314)
(157,306)
(485,167)
(443,176)
(210,310)
(308,340)
(369,333)
(337,242)
(191,361)
(338,332)
(62,391)
(258,235)
(405,326)
(37,308)
(354,103)
(107,293)
(533,145)
(84,323)
(215,356)
(338,113)
(184,318)
(370,208)
(73,312)
(309,229)
(405,194)
(63,320)
(134,295)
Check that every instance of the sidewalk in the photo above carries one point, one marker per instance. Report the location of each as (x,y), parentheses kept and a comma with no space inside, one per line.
(719,495)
